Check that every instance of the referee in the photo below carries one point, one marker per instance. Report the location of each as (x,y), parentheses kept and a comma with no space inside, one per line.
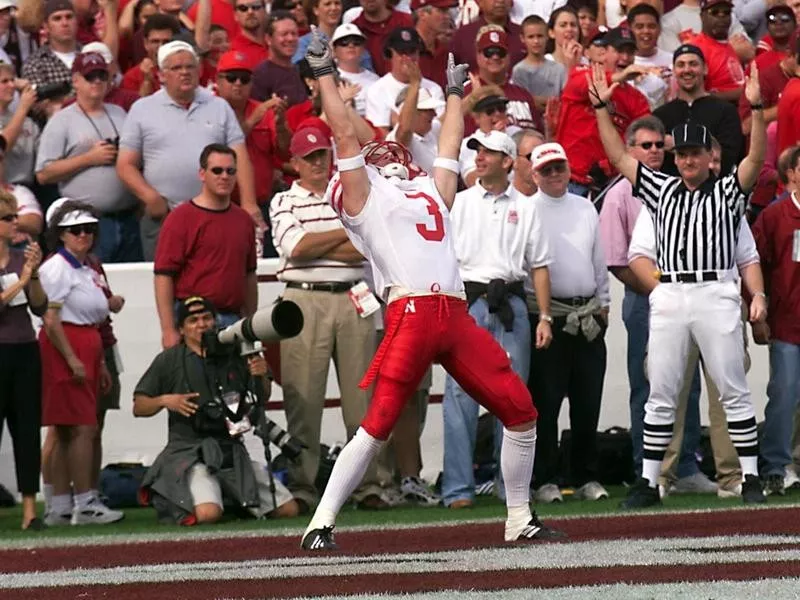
(696,219)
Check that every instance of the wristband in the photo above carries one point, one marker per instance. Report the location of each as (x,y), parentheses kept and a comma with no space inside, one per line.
(599,105)
(446,163)
(758,106)
(351,163)
(455,90)
(326,69)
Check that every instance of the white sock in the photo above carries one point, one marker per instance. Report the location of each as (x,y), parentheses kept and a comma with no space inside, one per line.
(83,500)
(749,465)
(47,492)
(651,469)
(62,504)
(348,471)
(516,461)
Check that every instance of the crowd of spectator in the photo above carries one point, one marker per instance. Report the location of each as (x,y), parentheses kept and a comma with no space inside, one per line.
(106,106)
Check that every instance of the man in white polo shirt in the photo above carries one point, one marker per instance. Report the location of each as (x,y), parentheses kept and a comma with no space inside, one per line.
(574,365)
(499,239)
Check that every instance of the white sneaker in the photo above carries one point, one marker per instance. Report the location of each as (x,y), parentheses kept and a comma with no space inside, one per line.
(95,513)
(791,481)
(694,484)
(548,493)
(591,491)
(732,492)
(52,519)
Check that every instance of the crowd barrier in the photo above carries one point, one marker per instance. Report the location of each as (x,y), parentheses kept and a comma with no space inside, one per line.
(139,440)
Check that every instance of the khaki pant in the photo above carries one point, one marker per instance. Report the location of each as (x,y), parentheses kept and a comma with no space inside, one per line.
(331,329)
(726,460)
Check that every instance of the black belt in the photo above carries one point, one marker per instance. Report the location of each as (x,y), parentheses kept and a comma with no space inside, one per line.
(574,301)
(120,214)
(689,277)
(335,287)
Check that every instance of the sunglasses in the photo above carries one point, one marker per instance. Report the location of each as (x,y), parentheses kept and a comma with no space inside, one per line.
(220,170)
(494,51)
(494,109)
(350,41)
(648,145)
(233,77)
(96,76)
(255,7)
(553,169)
(781,18)
(9,218)
(87,228)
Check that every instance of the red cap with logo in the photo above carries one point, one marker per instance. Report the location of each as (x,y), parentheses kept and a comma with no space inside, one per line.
(417,4)
(492,38)
(233,61)
(89,62)
(308,140)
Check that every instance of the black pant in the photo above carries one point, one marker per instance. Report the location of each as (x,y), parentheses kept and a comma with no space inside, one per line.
(21,406)
(573,367)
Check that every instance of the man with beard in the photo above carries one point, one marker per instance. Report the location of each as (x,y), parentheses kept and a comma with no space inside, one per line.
(724,74)
(251,17)
(694,103)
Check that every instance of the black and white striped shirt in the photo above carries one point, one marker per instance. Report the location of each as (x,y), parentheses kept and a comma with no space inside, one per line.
(695,230)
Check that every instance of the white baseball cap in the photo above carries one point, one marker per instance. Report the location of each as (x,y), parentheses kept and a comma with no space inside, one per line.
(4,4)
(98,47)
(75,217)
(494,140)
(342,31)
(547,153)
(173,47)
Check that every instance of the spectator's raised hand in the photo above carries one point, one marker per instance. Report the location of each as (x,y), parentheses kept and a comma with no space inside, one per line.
(27,98)
(573,50)
(147,67)
(348,91)
(33,258)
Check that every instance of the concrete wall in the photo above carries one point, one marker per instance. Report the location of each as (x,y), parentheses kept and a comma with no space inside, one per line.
(140,440)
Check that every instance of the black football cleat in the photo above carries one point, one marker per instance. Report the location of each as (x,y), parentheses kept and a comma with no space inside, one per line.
(641,495)
(535,530)
(319,540)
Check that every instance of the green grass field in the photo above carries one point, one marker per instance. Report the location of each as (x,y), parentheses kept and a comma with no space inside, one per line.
(143,520)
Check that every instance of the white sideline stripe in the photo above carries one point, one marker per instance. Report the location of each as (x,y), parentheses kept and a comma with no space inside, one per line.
(194,534)
(678,551)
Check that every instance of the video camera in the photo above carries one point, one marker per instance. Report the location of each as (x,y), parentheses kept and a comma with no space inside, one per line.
(231,346)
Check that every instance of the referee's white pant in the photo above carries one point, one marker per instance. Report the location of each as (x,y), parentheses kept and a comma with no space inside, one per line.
(709,313)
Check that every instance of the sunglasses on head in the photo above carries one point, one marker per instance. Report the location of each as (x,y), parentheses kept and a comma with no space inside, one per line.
(96,76)
(234,76)
(551,169)
(495,51)
(350,41)
(255,6)
(780,18)
(648,145)
(87,228)
(220,170)
(9,218)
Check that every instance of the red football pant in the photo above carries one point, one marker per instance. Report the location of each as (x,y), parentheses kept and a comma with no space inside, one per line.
(421,330)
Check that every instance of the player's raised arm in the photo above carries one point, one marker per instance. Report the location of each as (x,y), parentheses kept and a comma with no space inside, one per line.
(353,174)
(445,167)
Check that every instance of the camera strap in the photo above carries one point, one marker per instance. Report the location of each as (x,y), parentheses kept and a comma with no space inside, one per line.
(94,125)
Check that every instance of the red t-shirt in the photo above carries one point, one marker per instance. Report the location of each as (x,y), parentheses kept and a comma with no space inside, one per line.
(788,110)
(577,123)
(122,98)
(254,52)
(377,33)
(222,13)
(433,64)
(774,232)
(208,253)
(133,79)
(724,67)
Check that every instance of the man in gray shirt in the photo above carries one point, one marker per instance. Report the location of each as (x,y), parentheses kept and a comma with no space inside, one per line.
(77,151)
(164,135)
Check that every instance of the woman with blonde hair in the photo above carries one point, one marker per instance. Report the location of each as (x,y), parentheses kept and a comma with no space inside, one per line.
(20,367)
(326,16)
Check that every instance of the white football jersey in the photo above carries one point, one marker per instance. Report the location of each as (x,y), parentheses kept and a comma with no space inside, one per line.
(404,231)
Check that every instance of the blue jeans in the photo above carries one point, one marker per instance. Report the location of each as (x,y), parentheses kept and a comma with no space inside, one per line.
(635,315)
(776,440)
(119,240)
(461,411)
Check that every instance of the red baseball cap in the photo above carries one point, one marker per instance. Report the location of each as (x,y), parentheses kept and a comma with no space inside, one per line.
(233,61)
(308,140)
(417,4)
(492,37)
(89,62)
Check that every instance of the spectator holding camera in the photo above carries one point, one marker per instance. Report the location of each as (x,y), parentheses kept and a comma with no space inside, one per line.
(17,128)
(77,151)
(205,454)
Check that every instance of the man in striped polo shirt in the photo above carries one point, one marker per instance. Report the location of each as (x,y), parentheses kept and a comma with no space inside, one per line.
(697,218)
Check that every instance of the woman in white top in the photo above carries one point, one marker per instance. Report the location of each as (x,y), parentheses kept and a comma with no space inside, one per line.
(18,129)
(72,364)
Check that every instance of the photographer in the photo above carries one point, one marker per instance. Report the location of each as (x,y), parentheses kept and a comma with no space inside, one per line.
(78,149)
(205,458)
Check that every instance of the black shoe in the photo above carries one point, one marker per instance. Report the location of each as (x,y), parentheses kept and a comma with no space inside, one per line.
(773,484)
(319,540)
(536,530)
(751,490)
(641,495)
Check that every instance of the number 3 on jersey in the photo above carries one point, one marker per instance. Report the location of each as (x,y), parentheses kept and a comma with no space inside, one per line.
(436,234)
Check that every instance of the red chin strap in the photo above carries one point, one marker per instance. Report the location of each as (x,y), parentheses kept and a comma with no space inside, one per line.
(382,154)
